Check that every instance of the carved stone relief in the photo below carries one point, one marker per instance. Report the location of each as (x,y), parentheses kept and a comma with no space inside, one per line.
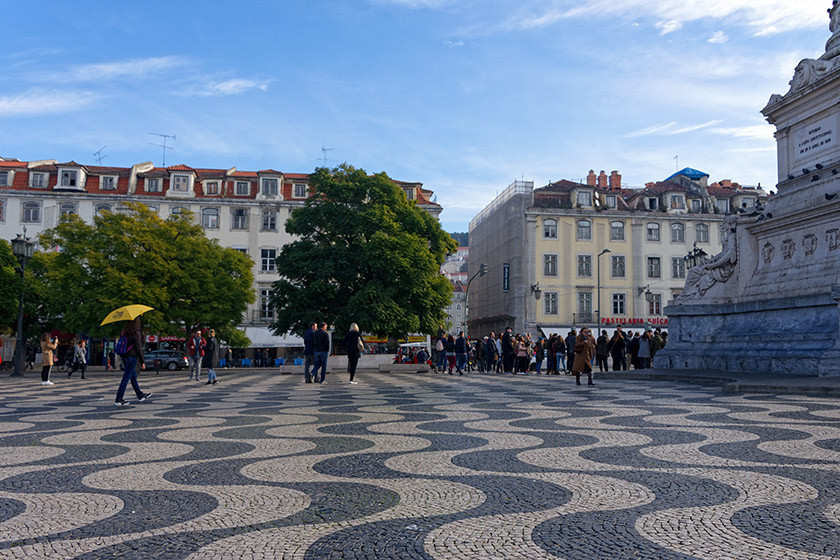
(832,236)
(767,252)
(810,244)
(788,248)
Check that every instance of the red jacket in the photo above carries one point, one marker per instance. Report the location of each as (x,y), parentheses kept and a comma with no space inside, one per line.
(191,347)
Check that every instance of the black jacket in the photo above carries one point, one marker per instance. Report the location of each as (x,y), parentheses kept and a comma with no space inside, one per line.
(321,341)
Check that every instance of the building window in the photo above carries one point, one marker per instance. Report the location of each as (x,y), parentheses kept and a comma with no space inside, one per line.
(108,183)
(584,198)
(584,266)
(2,210)
(677,202)
(269,220)
(409,193)
(269,187)
(549,229)
(243,188)
(210,218)
(211,188)
(654,268)
(653,203)
(152,185)
(584,306)
(655,305)
(39,180)
(31,212)
(266,312)
(748,202)
(549,265)
(152,208)
(677,267)
(180,183)
(550,299)
(4,178)
(100,208)
(69,178)
(653,232)
(267,259)
(458,307)
(299,190)
(618,304)
(617,269)
(584,230)
(702,233)
(178,210)
(695,205)
(617,231)
(67,209)
(240,219)
(677,233)
(722,205)
(610,201)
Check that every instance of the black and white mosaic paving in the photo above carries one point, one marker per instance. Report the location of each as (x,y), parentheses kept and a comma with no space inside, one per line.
(415,466)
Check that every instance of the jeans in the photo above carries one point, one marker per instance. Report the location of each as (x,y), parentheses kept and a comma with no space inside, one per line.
(539,366)
(307,365)
(320,362)
(441,363)
(129,375)
(195,366)
(461,361)
(211,375)
(560,359)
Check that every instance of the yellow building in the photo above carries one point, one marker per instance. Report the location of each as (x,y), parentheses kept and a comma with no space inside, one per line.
(572,254)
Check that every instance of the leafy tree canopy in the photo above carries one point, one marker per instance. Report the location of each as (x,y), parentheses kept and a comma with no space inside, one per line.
(137,257)
(364,254)
(9,286)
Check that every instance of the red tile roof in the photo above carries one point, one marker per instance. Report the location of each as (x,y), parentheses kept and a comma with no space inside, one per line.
(13,164)
(180,167)
(269,172)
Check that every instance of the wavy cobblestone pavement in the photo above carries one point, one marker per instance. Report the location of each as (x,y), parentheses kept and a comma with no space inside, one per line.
(415,466)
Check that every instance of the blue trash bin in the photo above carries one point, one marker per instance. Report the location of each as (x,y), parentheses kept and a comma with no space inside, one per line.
(298,361)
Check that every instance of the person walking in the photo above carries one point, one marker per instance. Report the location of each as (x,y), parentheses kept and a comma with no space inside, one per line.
(355,347)
(321,346)
(508,351)
(618,349)
(48,347)
(559,350)
(539,355)
(308,351)
(571,340)
(195,349)
(132,355)
(211,357)
(461,353)
(584,352)
(79,359)
(228,358)
(602,351)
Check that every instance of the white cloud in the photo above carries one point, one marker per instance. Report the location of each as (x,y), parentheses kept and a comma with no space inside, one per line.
(763,18)
(134,68)
(669,129)
(233,86)
(718,38)
(453,43)
(37,102)
(755,132)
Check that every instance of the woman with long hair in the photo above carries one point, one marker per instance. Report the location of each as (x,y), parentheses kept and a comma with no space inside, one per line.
(48,347)
(354,343)
(132,354)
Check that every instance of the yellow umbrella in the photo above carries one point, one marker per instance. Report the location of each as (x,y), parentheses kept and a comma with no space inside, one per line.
(125,313)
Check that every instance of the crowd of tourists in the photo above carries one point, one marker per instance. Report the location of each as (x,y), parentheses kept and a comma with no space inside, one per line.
(518,354)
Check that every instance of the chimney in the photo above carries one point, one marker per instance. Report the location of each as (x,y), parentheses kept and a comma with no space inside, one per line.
(591,178)
(615,181)
(602,180)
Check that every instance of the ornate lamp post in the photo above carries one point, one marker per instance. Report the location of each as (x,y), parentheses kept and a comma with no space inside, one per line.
(604,252)
(23,248)
(694,257)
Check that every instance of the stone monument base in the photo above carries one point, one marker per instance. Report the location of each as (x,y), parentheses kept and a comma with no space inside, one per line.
(786,336)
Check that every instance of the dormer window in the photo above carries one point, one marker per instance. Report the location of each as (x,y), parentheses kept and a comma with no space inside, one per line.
(211,187)
(611,202)
(181,183)
(69,178)
(653,203)
(695,205)
(108,183)
(5,179)
(722,205)
(39,180)
(152,185)
(409,193)
(299,190)
(677,202)
(243,188)
(269,187)
(584,198)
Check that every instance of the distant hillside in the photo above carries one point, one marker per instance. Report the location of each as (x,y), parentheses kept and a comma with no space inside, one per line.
(463,239)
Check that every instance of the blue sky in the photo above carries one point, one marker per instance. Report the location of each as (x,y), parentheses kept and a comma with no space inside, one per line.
(462,95)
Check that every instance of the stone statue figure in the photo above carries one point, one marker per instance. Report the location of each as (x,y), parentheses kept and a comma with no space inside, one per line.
(715,269)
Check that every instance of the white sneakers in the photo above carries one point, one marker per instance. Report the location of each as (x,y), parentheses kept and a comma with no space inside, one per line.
(46,383)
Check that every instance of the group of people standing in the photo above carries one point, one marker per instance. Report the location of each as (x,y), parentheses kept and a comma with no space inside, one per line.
(316,352)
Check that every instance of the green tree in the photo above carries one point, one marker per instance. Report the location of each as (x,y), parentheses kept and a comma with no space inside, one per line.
(364,254)
(137,257)
(9,287)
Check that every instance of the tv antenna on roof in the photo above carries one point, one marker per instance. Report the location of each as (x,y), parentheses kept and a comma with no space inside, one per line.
(98,155)
(325,150)
(164,146)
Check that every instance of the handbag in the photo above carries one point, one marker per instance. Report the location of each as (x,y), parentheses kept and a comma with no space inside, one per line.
(361,345)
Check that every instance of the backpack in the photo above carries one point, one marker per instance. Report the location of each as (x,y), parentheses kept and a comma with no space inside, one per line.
(439,345)
(122,348)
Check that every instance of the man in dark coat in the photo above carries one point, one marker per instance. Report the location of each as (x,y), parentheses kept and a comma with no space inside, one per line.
(308,352)
(570,349)
(508,351)
(321,345)
(618,349)
(210,361)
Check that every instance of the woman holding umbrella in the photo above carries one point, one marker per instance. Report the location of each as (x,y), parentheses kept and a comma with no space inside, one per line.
(132,355)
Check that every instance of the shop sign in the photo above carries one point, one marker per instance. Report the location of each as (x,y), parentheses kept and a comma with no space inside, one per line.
(660,321)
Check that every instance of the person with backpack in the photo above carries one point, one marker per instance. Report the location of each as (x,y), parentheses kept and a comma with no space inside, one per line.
(195,350)
(79,359)
(130,348)
(440,347)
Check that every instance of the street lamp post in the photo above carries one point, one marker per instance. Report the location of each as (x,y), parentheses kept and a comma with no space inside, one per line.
(22,248)
(482,270)
(604,252)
